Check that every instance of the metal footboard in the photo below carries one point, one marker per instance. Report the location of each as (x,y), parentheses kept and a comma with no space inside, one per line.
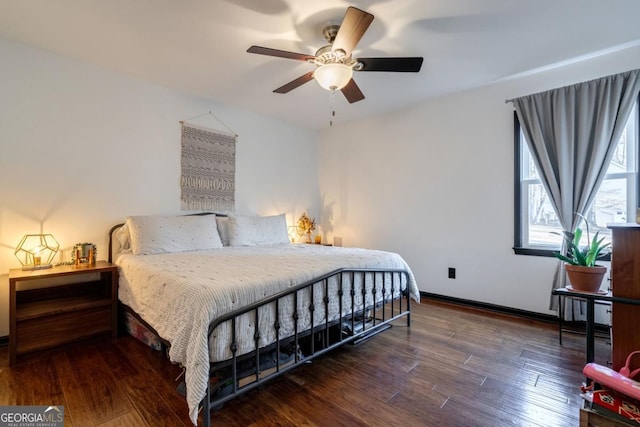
(368,300)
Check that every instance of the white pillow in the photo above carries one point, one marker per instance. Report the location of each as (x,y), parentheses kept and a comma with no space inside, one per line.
(223,229)
(257,230)
(122,236)
(166,234)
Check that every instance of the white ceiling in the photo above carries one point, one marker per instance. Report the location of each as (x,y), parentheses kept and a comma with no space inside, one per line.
(199,46)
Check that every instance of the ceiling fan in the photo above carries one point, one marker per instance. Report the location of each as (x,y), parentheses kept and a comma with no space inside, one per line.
(334,63)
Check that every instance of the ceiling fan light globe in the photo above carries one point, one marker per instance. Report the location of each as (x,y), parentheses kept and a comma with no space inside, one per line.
(333,76)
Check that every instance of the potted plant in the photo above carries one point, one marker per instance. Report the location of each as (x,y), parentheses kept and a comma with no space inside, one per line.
(580,266)
(306,225)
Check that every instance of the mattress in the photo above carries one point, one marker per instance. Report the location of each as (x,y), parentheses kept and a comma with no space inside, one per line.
(180,294)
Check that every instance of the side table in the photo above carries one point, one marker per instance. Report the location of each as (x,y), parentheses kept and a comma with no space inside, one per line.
(69,308)
(591,299)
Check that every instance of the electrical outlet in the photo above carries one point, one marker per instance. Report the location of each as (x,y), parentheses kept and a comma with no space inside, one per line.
(452,273)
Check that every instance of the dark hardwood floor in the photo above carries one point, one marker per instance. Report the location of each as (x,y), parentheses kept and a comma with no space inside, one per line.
(453,367)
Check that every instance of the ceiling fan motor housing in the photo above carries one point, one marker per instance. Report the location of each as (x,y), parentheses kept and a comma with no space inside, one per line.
(325,55)
(329,32)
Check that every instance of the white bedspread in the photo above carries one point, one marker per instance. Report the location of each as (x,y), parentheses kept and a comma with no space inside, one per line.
(180,294)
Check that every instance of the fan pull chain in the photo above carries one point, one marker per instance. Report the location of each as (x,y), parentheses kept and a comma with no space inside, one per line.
(332,111)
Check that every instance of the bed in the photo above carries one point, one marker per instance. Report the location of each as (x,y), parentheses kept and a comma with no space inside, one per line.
(237,303)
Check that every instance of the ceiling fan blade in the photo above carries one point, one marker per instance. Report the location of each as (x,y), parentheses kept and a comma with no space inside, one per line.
(402,65)
(352,92)
(295,83)
(354,24)
(279,53)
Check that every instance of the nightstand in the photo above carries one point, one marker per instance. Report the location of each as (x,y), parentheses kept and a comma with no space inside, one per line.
(59,305)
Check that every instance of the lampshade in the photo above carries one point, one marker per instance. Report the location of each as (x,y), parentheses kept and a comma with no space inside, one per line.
(36,251)
(333,76)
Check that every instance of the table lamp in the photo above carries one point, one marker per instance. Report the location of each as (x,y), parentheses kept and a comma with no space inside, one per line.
(36,251)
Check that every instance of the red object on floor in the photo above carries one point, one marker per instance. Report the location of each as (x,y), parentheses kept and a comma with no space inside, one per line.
(622,381)
(620,394)
(615,403)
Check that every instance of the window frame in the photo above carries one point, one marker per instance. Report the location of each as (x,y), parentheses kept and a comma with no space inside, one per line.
(518,231)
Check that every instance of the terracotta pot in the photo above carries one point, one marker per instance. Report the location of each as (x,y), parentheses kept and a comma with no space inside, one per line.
(587,279)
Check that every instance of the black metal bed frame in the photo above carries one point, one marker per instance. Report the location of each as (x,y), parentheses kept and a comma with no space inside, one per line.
(359,323)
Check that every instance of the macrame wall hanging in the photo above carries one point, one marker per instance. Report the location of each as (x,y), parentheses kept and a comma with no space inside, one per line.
(208,167)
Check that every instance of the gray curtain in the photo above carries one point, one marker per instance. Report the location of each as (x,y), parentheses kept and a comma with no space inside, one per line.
(572,133)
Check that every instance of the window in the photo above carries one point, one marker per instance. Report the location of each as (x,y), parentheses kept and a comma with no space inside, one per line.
(537,230)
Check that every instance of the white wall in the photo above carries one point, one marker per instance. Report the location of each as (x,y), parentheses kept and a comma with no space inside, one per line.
(82,147)
(435,184)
